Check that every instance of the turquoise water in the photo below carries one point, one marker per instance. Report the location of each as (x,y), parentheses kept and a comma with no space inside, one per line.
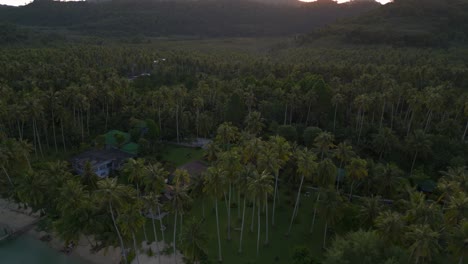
(27,250)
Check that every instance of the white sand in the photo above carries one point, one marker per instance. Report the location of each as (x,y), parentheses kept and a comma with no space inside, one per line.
(165,259)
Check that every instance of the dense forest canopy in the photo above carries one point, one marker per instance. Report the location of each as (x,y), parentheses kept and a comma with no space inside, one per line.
(364,140)
(193,18)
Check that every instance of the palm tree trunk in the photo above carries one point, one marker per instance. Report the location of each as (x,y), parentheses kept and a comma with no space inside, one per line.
(161,224)
(266,219)
(155,236)
(220,258)
(464,133)
(8,176)
(174,238)
(122,246)
(334,118)
(242,228)
(382,115)
(414,161)
(285,114)
(274,198)
(325,235)
(360,128)
(177,123)
(63,135)
(135,248)
(238,204)
(203,208)
(315,213)
(351,192)
(53,131)
(253,217)
(229,212)
(296,205)
(258,231)
(145,234)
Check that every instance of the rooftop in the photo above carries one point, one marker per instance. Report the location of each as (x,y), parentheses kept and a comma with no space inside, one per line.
(96,157)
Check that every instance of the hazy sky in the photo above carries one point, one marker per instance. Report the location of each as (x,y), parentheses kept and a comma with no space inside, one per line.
(23,2)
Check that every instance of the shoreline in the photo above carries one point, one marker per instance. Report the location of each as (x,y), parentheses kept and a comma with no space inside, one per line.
(15,218)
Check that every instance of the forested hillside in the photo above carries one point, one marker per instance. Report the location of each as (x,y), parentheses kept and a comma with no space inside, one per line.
(423,23)
(188,18)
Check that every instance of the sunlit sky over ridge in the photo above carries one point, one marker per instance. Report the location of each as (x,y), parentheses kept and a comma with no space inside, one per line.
(23,2)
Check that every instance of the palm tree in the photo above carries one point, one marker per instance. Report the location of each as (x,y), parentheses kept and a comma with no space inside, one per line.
(306,167)
(215,184)
(198,103)
(419,143)
(193,240)
(254,123)
(369,210)
(154,182)
(259,187)
(150,201)
(248,172)
(135,170)
(390,178)
(324,142)
(458,241)
(343,153)
(281,150)
(336,100)
(180,200)
(457,208)
(331,208)
(390,225)
(114,195)
(458,175)
(423,242)
(226,134)
(384,141)
(356,170)
(230,162)
(130,220)
(326,176)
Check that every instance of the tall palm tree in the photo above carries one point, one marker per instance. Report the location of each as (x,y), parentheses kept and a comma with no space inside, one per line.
(260,187)
(230,162)
(391,226)
(150,201)
(324,142)
(457,208)
(384,141)
(356,170)
(281,150)
(180,200)
(115,196)
(254,123)
(423,242)
(419,143)
(215,184)
(193,240)
(331,209)
(130,220)
(135,170)
(248,172)
(154,182)
(369,210)
(458,241)
(306,167)
(343,153)
(337,99)
(226,134)
(326,176)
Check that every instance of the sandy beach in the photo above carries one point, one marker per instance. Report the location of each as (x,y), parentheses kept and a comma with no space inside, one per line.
(15,218)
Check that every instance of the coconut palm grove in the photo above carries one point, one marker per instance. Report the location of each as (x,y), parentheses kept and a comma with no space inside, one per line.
(237,132)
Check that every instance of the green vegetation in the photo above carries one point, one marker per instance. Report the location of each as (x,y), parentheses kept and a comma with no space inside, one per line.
(324,149)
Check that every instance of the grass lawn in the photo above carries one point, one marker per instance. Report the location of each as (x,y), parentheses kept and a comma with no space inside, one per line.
(180,155)
(280,248)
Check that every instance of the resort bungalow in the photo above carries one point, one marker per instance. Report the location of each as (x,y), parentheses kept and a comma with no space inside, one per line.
(102,162)
(117,150)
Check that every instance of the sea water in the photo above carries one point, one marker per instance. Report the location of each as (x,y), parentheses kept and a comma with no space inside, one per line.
(27,250)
